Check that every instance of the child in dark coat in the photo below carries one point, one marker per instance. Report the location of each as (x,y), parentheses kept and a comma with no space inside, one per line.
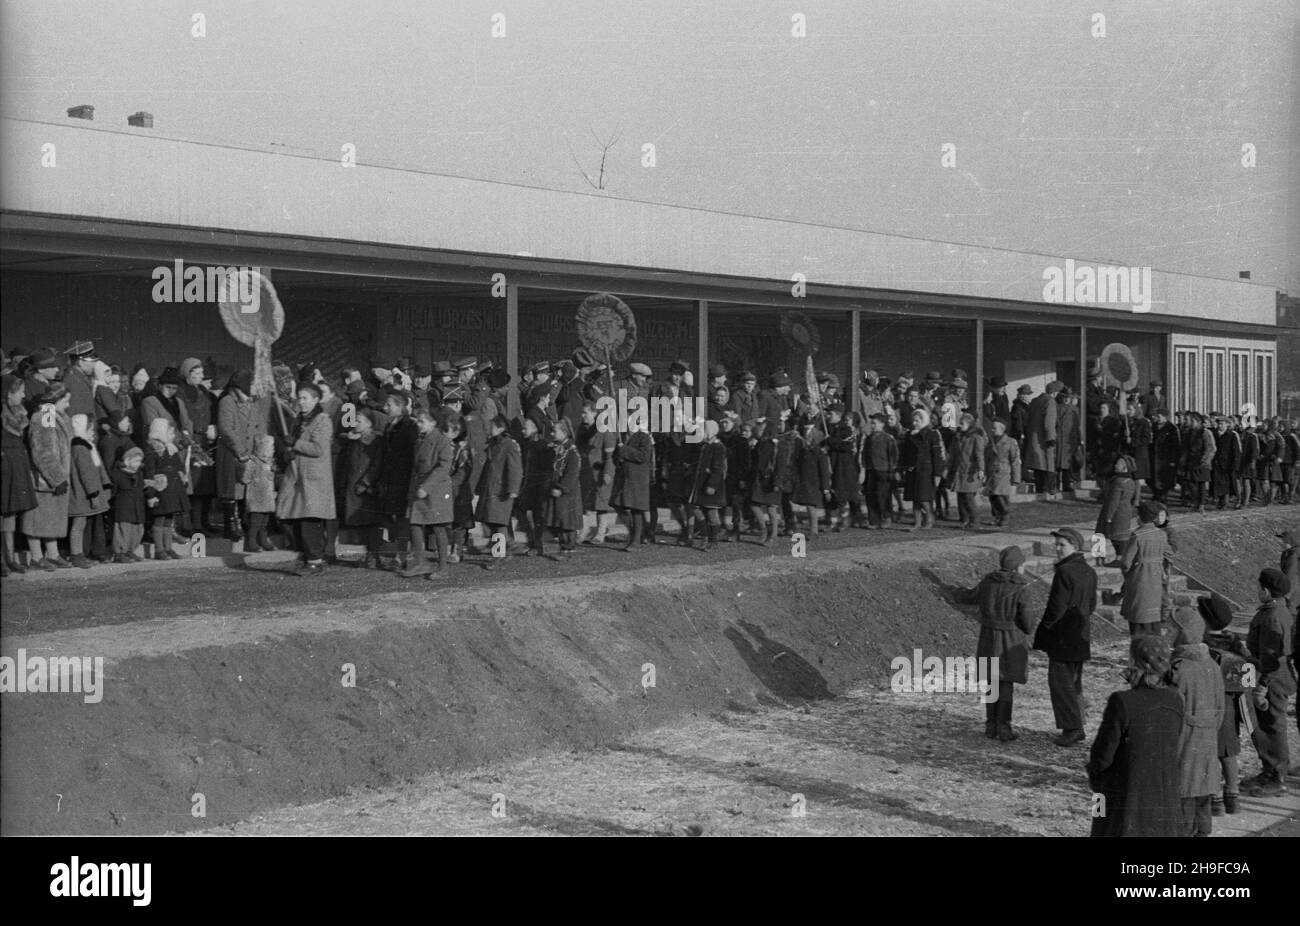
(765,487)
(129,510)
(812,485)
(710,490)
(564,511)
(634,468)
(1004,628)
(165,485)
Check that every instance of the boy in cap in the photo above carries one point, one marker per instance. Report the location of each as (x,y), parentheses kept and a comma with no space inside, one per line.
(1001,471)
(744,401)
(1269,644)
(1004,627)
(1065,633)
(1226,650)
(879,463)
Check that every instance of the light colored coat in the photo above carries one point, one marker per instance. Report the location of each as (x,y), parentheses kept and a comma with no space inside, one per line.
(49,439)
(1001,465)
(1143,564)
(308,487)
(432,472)
(1200,683)
(966,468)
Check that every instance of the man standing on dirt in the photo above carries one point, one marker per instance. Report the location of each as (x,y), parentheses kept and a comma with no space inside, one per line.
(1064,633)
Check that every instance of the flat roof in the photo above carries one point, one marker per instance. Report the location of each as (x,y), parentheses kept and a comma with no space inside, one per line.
(142,176)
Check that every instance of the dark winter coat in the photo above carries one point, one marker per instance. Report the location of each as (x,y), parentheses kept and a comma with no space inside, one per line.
(843,448)
(677,467)
(538,461)
(1133,764)
(361,465)
(1166,452)
(740,464)
(1226,463)
(1116,519)
(400,438)
(1269,641)
(159,462)
(462,485)
(634,469)
(128,496)
(922,460)
(1004,623)
(1067,436)
(564,512)
(710,489)
(1065,632)
(1200,684)
(18,488)
(813,473)
(502,477)
(431,471)
(1040,433)
(880,453)
(1139,446)
(765,488)
(1198,454)
(88,493)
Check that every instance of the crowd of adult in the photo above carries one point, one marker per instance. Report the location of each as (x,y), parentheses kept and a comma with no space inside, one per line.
(98,458)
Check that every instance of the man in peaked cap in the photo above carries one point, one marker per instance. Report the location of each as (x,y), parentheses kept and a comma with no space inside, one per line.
(79,378)
(744,400)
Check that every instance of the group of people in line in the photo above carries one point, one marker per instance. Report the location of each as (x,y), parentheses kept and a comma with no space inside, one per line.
(412,461)
(1164,758)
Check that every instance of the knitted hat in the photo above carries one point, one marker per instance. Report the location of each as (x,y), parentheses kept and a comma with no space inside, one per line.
(1011,558)
(1150,654)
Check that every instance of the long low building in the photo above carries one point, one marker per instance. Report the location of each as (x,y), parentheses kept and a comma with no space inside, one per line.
(373,260)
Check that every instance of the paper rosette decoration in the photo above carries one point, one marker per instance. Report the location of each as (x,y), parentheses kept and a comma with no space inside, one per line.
(606,327)
(1118,366)
(258,329)
(800,332)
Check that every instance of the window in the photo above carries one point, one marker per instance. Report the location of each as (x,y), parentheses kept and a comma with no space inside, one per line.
(1239,387)
(1265,388)
(1214,367)
(1185,394)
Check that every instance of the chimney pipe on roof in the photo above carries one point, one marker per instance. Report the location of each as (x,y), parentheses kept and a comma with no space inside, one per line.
(82,112)
(141,120)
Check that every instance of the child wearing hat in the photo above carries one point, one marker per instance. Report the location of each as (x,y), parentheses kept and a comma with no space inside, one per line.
(1227,652)
(1001,471)
(812,487)
(1143,563)
(879,463)
(49,444)
(165,496)
(765,487)
(1269,644)
(1004,628)
(1200,684)
(129,510)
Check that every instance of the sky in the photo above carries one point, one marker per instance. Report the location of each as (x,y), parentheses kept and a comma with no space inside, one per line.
(1123,148)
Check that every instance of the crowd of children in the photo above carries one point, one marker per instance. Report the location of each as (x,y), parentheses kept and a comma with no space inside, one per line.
(413,460)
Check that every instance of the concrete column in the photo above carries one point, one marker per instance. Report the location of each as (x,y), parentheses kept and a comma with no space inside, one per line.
(855,358)
(1083,399)
(702,353)
(512,348)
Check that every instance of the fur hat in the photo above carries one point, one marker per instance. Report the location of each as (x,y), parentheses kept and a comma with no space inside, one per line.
(169,377)
(1215,611)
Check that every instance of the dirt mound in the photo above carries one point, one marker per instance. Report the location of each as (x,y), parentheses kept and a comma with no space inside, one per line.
(253,712)
(255,723)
